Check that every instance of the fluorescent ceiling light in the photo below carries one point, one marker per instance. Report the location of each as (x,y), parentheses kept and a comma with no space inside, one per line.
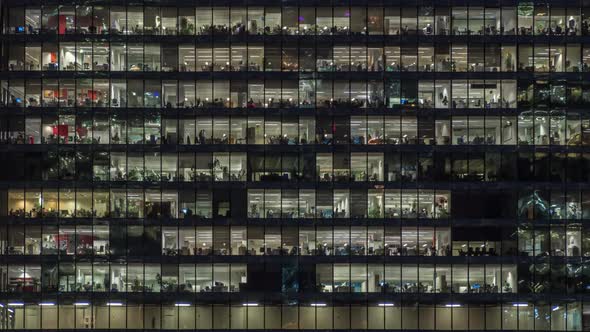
(520,304)
(318,304)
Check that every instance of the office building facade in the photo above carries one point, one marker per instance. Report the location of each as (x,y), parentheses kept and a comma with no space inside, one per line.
(295,165)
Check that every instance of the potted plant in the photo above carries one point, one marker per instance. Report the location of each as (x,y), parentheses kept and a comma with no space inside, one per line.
(184,26)
(135,285)
(509,62)
(374,212)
